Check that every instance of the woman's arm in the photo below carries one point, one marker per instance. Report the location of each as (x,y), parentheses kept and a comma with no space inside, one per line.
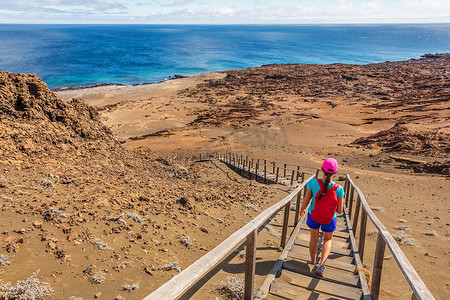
(306,201)
(340,207)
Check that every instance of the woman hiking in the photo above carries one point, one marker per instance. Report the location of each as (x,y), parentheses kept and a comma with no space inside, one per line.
(326,196)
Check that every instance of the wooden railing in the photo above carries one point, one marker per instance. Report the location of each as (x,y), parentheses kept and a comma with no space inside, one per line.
(359,218)
(175,287)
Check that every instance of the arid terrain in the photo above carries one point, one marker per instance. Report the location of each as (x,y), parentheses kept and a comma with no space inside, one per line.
(96,192)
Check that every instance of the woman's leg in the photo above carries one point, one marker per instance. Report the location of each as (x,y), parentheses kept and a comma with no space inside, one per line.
(326,247)
(313,240)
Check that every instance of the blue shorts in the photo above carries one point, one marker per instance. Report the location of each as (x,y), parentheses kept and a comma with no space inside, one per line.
(325,227)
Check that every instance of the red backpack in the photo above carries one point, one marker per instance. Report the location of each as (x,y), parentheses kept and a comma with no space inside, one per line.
(325,208)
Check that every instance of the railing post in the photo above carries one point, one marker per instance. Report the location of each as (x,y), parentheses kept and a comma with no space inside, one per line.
(351,203)
(298,173)
(287,208)
(256,172)
(303,177)
(355,221)
(362,234)
(200,156)
(297,207)
(347,191)
(377,267)
(317,173)
(273,167)
(276,176)
(265,171)
(284,173)
(292,177)
(250,258)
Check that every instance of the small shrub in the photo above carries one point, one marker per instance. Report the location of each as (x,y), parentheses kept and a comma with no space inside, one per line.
(252,207)
(233,287)
(101,244)
(5,260)
(186,240)
(47,183)
(402,227)
(119,219)
(28,289)
(130,287)
(377,208)
(404,239)
(97,278)
(135,217)
(174,265)
(272,231)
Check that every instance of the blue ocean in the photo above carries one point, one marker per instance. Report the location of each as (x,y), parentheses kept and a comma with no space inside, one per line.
(82,55)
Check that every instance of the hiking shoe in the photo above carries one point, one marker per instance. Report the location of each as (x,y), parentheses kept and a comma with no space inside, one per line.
(320,270)
(311,263)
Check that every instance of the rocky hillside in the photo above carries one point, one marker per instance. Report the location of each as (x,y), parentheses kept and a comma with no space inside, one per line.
(80,208)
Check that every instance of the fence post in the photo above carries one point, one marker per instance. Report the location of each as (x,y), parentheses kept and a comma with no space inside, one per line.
(250,258)
(303,177)
(355,221)
(317,173)
(297,207)
(265,171)
(292,177)
(298,173)
(273,167)
(362,234)
(287,208)
(276,176)
(256,172)
(377,267)
(284,173)
(347,191)
(351,203)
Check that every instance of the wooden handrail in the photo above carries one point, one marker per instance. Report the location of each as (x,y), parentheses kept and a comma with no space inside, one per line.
(181,282)
(420,291)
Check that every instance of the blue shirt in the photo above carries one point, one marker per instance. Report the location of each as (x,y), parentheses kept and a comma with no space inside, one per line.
(314,187)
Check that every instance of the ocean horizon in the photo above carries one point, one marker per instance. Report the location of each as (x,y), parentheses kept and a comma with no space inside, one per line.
(69,56)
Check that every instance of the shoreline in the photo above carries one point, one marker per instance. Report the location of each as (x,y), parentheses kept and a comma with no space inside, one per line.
(177,76)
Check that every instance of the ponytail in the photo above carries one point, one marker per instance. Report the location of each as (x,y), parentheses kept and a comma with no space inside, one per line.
(327,183)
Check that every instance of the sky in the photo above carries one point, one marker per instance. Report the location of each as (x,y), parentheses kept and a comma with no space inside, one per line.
(223,11)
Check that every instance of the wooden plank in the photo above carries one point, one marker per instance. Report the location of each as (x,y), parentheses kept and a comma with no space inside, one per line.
(286,291)
(264,289)
(336,243)
(250,259)
(287,208)
(320,286)
(335,260)
(377,267)
(339,234)
(305,243)
(343,278)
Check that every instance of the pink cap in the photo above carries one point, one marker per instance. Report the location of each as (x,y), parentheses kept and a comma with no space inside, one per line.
(330,165)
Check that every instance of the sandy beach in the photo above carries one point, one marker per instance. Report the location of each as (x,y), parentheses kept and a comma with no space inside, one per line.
(387,124)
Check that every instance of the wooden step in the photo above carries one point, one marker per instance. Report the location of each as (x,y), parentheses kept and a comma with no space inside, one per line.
(298,252)
(320,286)
(333,256)
(331,275)
(336,242)
(287,291)
(305,243)
(339,233)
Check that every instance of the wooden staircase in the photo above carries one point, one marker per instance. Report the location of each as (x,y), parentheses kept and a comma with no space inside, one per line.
(297,279)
